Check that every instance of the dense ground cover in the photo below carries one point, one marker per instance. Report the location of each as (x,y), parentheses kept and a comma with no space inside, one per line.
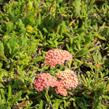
(29,28)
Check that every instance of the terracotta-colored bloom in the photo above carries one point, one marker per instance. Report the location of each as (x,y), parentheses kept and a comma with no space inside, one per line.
(66,80)
(57,56)
(43,81)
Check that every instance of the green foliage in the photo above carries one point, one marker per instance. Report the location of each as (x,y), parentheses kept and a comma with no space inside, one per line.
(28,28)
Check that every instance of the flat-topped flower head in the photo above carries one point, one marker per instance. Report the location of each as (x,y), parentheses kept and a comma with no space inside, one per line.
(43,81)
(67,80)
(57,56)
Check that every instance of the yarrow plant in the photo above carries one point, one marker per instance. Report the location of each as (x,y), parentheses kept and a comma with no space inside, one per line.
(64,81)
(43,81)
(57,56)
(28,28)
(67,80)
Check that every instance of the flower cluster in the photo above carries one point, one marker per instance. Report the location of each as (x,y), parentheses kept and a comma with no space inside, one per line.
(66,80)
(57,56)
(63,82)
(43,81)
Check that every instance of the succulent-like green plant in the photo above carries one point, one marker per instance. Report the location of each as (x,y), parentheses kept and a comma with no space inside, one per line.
(29,28)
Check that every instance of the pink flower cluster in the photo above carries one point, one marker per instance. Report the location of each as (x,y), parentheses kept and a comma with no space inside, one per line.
(64,81)
(43,81)
(57,56)
(67,80)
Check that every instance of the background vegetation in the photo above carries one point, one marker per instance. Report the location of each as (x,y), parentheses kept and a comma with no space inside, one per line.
(28,28)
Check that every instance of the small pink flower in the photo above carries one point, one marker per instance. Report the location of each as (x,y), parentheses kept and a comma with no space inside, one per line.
(67,80)
(57,56)
(60,89)
(43,81)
